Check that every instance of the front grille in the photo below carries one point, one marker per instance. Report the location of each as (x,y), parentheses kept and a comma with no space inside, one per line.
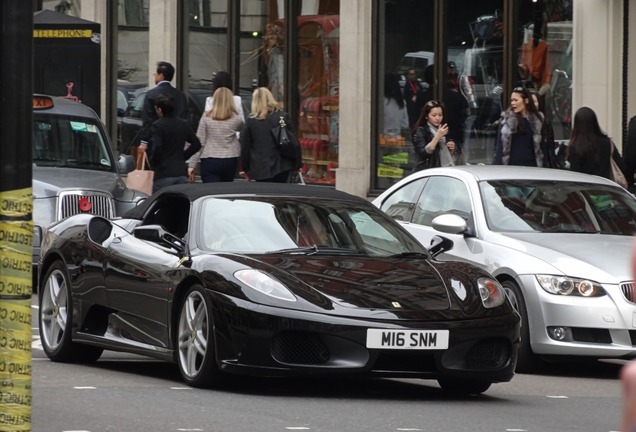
(593,335)
(101,203)
(300,348)
(488,354)
(629,292)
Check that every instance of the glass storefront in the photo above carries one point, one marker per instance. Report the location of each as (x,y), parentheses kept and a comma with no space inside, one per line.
(472,88)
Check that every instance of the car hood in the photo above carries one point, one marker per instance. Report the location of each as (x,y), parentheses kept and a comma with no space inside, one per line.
(363,283)
(48,181)
(600,257)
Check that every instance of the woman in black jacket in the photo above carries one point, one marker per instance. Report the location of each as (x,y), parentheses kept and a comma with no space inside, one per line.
(260,156)
(590,148)
(430,142)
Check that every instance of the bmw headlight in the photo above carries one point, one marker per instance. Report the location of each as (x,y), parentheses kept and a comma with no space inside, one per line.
(265,284)
(491,292)
(564,285)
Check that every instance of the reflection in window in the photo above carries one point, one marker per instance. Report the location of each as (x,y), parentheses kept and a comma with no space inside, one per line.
(132,42)
(442,195)
(408,55)
(545,62)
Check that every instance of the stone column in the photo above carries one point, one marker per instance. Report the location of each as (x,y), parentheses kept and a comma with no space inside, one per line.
(162,36)
(354,162)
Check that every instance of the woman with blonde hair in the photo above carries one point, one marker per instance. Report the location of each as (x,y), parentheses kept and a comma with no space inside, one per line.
(260,156)
(220,146)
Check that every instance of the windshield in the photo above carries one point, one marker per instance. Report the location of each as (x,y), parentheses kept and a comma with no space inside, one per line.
(269,224)
(548,206)
(65,141)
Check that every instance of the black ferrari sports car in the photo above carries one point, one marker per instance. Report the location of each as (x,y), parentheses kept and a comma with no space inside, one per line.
(272,280)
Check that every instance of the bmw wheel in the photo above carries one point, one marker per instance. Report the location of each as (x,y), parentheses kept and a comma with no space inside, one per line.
(526,359)
(56,319)
(195,340)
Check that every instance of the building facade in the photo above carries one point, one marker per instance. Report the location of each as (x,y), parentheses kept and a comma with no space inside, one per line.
(333,68)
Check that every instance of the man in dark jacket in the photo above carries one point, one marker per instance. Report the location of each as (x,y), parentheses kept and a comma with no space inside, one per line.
(414,97)
(163,75)
(173,142)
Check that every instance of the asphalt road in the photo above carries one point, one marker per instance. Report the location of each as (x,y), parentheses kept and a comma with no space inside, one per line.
(123,392)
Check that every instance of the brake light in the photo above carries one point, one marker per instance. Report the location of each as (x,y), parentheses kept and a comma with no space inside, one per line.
(42,102)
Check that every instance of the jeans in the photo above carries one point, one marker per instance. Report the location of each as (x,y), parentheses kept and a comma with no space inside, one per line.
(218,169)
(167,181)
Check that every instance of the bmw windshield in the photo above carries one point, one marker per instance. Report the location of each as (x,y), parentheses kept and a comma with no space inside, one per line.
(560,207)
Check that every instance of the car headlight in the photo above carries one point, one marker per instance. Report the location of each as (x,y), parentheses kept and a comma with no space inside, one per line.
(265,284)
(564,285)
(491,292)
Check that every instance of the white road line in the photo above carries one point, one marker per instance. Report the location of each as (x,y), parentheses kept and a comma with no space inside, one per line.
(296,428)
(557,397)
(85,388)
(516,430)
(180,388)
(409,429)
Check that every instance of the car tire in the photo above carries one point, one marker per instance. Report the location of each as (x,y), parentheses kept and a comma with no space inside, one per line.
(55,319)
(195,340)
(527,361)
(458,386)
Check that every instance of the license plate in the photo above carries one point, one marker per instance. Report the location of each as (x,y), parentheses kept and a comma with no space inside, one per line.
(407,339)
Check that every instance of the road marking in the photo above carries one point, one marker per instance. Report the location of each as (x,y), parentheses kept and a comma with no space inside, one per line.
(180,388)
(516,430)
(409,429)
(85,388)
(557,397)
(189,430)
(297,428)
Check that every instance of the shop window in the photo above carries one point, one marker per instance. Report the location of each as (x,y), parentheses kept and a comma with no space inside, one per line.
(545,60)
(318,88)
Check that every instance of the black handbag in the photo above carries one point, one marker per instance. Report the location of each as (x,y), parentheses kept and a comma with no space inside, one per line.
(286,141)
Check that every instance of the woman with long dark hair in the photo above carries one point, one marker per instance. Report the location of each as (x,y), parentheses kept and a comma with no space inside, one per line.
(590,148)
(519,135)
(396,117)
(432,147)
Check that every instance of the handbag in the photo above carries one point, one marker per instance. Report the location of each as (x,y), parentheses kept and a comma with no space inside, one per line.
(286,142)
(141,178)
(615,172)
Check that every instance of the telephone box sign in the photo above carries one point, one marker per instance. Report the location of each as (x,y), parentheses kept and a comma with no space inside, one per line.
(62,33)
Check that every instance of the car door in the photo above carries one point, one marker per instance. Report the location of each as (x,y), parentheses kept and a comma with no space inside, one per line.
(138,287)
(441,195)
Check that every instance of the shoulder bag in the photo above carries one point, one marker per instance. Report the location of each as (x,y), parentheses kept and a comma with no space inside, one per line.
(286,142)
(615,172)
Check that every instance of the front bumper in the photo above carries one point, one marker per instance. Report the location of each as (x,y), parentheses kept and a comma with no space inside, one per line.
(261,340)
(601,327)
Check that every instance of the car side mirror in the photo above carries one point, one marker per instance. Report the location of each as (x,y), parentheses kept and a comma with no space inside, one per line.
(450,224)
(439,245)
(157,234)
(126,164)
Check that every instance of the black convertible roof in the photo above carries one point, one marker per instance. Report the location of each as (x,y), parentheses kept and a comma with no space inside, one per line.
(241,188)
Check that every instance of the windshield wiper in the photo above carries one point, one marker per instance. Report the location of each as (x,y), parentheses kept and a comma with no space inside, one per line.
(409,255)
(315,249)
